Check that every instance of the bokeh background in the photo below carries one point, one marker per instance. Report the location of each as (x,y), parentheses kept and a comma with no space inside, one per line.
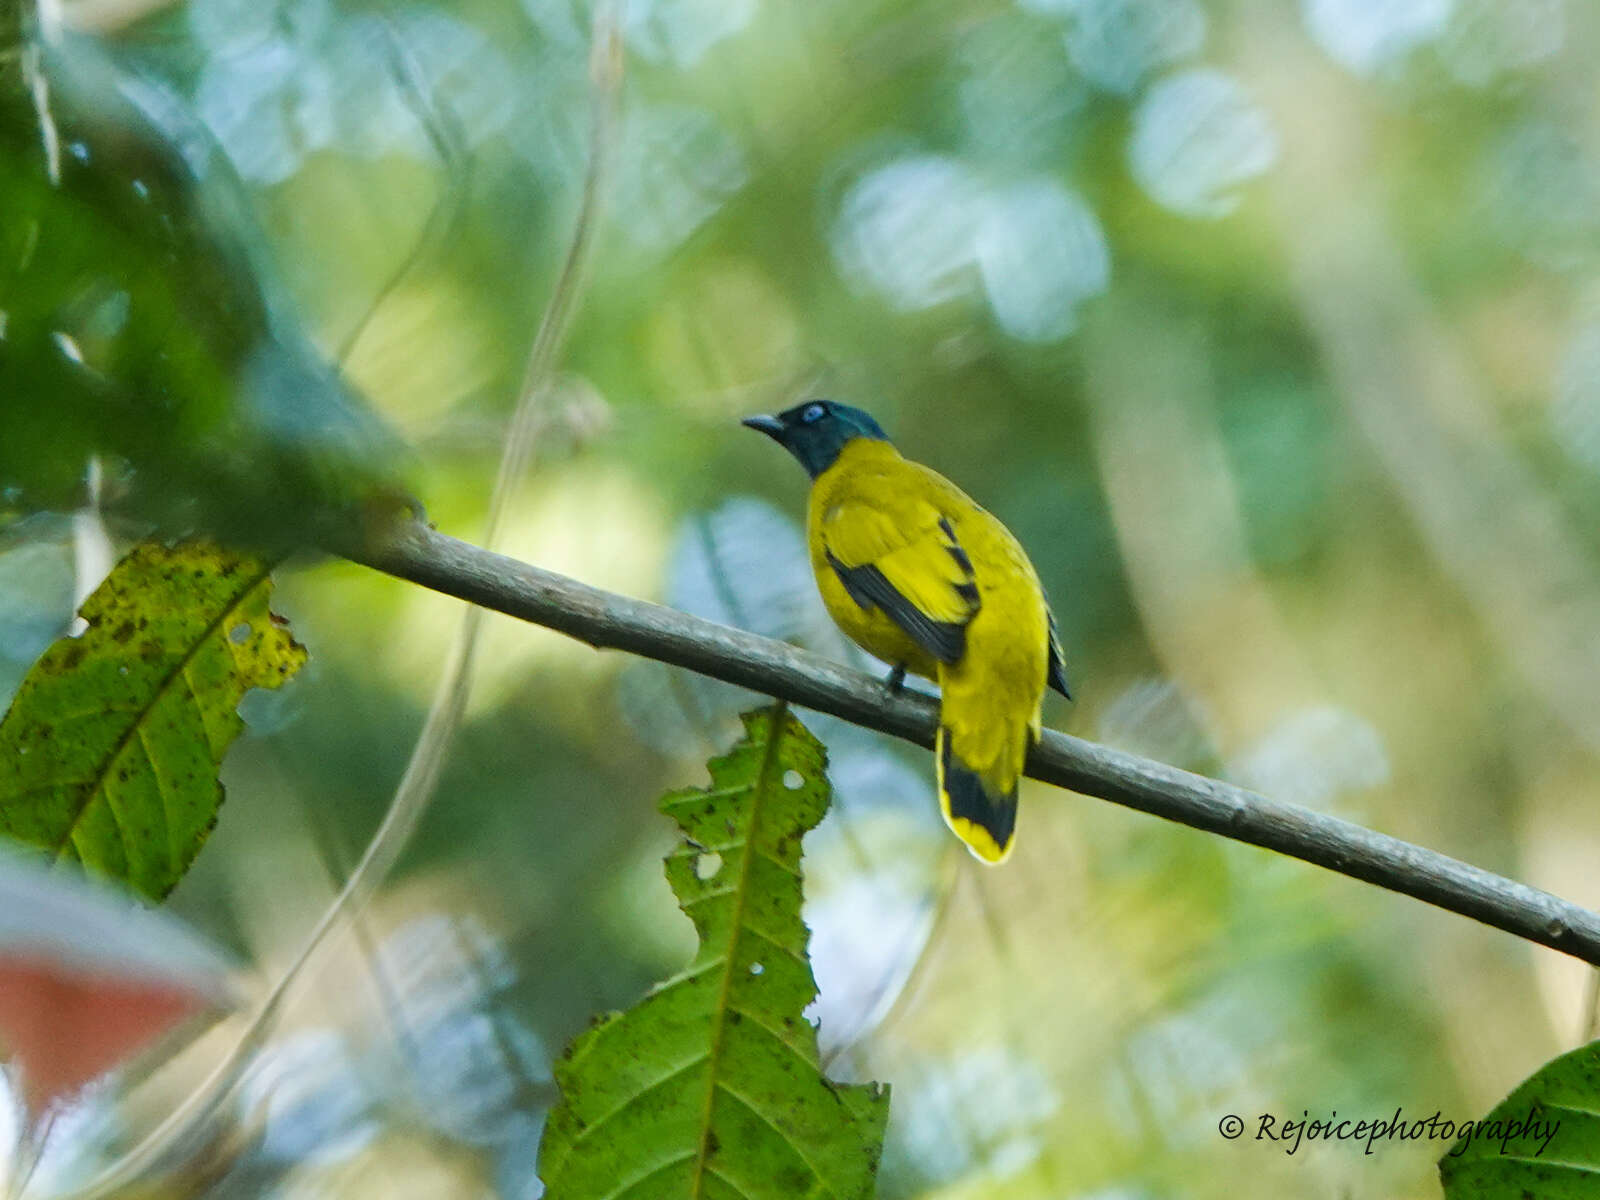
(1273,331)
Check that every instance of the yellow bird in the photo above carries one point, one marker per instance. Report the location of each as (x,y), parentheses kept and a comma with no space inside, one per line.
(921,577)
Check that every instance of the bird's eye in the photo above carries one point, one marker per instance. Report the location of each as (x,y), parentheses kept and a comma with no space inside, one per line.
(813,413)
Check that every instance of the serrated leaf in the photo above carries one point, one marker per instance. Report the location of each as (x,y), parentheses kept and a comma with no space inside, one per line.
(711,1086)
(110,751)
(1542,1140)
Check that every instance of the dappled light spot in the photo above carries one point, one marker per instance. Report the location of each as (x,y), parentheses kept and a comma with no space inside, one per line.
(231,26)
(1157,718)
(706,866)
(867,775)
(473,1060)
(669,708)
(309,1096)
(1312,756)
(742,564)
(906,229)
(422,392)
(1196,137)
(550,129)
(461,72)
(676,166)
(273,95)
(924,229)
(1541,193)
(1041,253)
(379,59)
(561,21)
(745,564)
(793,780)
(1116,43)
(35,598)
(68,346)
(1368,36)
(100,317)
(267,106)
(84,1130)
(884,862)
(1183,1062)
(982,1110)
(680,32)
(1017,94)
(1486,39)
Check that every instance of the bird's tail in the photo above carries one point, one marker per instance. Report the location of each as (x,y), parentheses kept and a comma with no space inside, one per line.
(980,812)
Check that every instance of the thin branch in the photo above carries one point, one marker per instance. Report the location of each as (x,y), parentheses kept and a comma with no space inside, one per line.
(605,620)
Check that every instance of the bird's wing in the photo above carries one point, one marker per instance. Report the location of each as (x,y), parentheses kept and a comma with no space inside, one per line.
(908,564)
(1057,676)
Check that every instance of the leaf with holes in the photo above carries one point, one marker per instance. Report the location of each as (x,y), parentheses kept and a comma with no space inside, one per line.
(1542,1140)
(110,751)
(711,1087)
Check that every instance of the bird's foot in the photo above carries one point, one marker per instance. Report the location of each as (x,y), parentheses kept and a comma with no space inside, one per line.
(896,680)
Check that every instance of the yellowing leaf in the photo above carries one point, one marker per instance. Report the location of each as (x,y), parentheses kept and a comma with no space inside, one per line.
(110,751)
(711,1086)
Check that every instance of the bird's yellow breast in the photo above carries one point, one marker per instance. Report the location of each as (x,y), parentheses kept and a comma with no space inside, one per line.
(1007,640)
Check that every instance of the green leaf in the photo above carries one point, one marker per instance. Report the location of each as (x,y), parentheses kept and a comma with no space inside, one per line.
(110,751)
(144,323)
(1542,1140)
(711,1087)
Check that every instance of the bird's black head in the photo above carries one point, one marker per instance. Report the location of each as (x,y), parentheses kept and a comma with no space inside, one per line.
(815,432)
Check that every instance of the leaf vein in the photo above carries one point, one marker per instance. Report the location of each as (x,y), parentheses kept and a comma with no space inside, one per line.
(161,791)
(776,944)
(97,780)
(622,1189)
(750,1107)
(777,1035)
(763,784)
(629,1101)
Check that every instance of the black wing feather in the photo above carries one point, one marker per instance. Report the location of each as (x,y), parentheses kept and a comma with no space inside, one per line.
(1057,673)
(870,588)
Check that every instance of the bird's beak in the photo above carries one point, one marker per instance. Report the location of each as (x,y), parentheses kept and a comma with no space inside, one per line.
(770,426)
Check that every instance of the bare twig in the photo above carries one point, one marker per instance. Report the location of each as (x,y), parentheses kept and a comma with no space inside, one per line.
(605,620)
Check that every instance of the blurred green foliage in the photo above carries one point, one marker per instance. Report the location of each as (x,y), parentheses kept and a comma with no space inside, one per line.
(142,321)
(1270,329)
